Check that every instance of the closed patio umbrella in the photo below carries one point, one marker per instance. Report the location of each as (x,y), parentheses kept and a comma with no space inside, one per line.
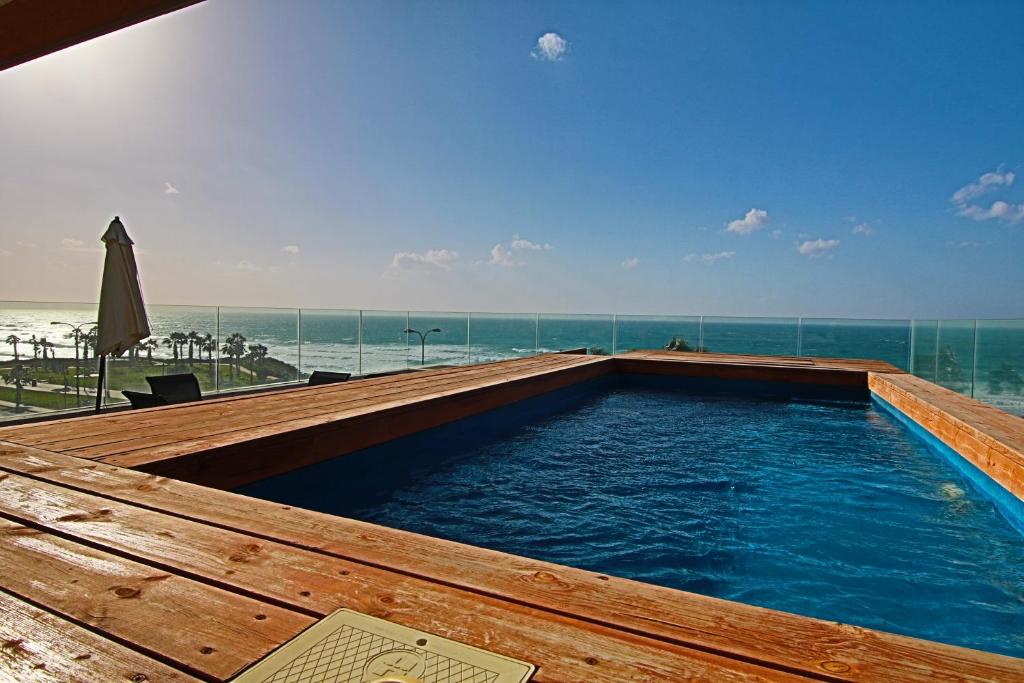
(122,315)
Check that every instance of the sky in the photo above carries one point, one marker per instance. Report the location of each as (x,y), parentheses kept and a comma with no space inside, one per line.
(858,159)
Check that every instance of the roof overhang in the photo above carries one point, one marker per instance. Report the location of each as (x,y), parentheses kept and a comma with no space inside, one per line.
(33,28)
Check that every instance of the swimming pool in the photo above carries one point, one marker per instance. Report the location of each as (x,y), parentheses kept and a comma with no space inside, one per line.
(830,509)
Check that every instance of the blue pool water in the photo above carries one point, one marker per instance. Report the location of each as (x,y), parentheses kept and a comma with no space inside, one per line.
(828,509)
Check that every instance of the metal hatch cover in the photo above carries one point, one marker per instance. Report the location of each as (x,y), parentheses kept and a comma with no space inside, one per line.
(351,647)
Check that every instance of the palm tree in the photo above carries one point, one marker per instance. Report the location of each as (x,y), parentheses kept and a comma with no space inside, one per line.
(148,346)
(206,344)
(90,338)
(234,349)
(193,338)
(45,346)
(14,340)
(172,343)
(18,376)
(35,350)
(257,352)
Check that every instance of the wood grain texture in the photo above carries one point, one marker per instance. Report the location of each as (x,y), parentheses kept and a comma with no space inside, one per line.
(202,630)
(230,442)
(987,437)
(39,647)
(318,584)
(155,571)
(815,647)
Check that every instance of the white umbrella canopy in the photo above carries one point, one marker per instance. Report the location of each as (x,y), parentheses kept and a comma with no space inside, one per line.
(122,314)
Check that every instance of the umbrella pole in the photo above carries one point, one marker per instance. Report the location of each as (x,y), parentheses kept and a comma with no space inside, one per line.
(99,382)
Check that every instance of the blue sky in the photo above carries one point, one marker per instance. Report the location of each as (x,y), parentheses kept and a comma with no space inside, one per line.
(532,156)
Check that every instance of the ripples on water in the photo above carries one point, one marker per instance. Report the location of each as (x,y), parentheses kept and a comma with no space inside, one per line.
(828,510)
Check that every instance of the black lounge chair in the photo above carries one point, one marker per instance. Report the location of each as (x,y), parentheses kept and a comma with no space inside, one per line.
(176,388)
(139,399)
(320,377)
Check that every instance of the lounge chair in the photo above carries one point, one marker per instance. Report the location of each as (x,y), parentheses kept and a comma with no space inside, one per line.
(139,399)
(176,388)
(324,377)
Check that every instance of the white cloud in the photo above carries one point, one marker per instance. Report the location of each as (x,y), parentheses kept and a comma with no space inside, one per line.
(986,183)
(520,243)
(999,210)
(776,234)
(170,189)
(708,259)
(967,244)
(817,247)
(500,256)
(863,229)
(4,252)
(551,47)
(755,219)
(1010,213)
(631,263)
(71,243)
(246,266)
(432,259)
(292,249)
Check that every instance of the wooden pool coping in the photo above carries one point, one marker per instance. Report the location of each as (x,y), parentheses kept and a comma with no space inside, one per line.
(121,560)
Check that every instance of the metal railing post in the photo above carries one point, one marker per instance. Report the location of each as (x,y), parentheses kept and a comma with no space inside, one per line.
(536,333)
(974,364)
(799,336)
(216,371)
(615,332)
(298,337)
(359,344)
(913,337)
(469,331)
(700,334)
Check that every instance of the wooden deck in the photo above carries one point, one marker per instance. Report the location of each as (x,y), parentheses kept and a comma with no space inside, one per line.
(111,573)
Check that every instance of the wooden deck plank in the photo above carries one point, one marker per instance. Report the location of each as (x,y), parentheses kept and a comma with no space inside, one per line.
(985,436)
(744,359)
(201,629)
(228,449)
(238,419)
(745,631)
(155,421)
(39,647)
(313,582)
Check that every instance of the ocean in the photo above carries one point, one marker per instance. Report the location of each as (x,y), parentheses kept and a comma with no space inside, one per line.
(984,358)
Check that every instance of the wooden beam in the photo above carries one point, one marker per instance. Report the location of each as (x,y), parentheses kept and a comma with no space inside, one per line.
(775,639)
(33,28)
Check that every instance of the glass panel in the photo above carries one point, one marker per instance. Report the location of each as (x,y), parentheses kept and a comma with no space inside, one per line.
(955,366)
(385,344)
(677,333)
(925,333)
(760,336)
(444,340)
(1000,364)
(330,341)
(496,336)
(258,346)
(183,339)
(563,332)
(887,340)
(46,366)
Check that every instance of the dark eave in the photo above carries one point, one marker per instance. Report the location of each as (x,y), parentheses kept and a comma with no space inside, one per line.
(33,28)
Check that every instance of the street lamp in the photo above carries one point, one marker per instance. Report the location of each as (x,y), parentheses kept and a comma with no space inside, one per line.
(77,334)
(423,340)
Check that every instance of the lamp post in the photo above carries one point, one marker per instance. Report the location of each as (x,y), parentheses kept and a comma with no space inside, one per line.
(423,340)
(77,333)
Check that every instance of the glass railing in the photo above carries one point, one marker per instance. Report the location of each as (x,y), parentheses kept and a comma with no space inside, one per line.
(47,359)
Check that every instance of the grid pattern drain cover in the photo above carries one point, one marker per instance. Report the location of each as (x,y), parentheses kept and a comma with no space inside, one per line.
(349,647)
